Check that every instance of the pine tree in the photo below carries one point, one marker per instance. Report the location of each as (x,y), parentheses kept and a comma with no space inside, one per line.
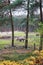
(41,35)
(7,6)
(27,27)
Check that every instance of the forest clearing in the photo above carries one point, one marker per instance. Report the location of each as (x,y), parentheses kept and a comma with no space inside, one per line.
(21,32)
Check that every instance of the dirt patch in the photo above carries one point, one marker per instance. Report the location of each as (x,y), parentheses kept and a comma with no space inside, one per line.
(23,51)
(12,50)
(6,51)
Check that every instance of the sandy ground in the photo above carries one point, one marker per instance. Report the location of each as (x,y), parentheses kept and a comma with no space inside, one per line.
(5,33)
(9,33)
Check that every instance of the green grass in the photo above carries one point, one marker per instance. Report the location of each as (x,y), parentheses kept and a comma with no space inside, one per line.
(16,56)
(3,43)
(31,40)
(19,33)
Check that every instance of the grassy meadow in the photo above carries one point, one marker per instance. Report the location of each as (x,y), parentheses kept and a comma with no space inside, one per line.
(32,38)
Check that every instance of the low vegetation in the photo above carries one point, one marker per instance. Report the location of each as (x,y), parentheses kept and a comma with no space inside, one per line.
(35,58)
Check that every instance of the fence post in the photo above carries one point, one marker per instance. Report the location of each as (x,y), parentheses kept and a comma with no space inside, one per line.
(34,46)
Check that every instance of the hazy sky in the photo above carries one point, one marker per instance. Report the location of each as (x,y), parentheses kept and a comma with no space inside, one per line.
(21,11)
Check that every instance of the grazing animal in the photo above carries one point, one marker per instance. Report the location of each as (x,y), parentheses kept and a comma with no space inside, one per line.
(21,39)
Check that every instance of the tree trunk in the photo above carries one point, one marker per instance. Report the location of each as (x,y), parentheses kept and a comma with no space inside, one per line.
(12,26)
(41,42)
(27,27)
(41,10)
(41,36)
